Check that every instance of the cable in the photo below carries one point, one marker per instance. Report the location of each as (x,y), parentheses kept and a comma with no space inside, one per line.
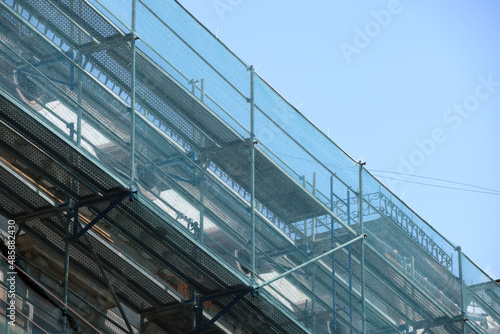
(488,191)
(438,186)
(437,179)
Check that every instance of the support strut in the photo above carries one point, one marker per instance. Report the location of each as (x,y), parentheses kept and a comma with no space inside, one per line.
(240,294)
(116,199)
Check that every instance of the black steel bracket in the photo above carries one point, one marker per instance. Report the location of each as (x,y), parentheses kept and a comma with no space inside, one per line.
(115,198)
(239,294)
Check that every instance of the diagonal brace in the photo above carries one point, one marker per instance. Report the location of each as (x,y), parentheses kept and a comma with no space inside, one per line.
(241,294)
(108,282)
(117,200)
(286,273)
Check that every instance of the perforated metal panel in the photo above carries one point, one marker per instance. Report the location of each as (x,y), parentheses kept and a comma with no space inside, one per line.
(63,63)
(54,160)
(16,190)
(131,285)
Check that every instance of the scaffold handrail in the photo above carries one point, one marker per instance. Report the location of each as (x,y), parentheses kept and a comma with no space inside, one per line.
(193,165)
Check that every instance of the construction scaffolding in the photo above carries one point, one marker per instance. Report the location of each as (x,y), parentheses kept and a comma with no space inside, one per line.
(152,182)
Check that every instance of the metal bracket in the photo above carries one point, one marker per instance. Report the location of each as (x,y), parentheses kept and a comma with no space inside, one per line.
(193,83)
(240,294)
(70,54)
(149,171)
(116,199)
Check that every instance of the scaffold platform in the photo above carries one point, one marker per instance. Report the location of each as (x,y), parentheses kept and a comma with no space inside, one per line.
(157,184)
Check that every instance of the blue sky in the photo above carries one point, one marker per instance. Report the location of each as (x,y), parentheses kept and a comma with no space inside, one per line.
(407,86)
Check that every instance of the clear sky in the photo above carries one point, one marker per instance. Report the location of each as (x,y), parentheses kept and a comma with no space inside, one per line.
(407,86)
(412,87)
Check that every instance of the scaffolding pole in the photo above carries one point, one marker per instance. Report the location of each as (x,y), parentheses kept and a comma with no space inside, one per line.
(252,168)
(132,97)
(360,212)
(202,207)
(334,293)
(67,225)
(313,226)
(288,272)
(79,111)
(313,276)
(461,280)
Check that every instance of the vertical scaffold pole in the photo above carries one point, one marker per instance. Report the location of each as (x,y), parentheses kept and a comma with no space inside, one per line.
(304,184)
(142,326)
(360,212)
(333,258)
(79,84)
(461,280)
(202,87)
(66,264)
(313,227)
(252,167)
(313,287)
(202,208)
(412,267)
(79,111)
(132,98)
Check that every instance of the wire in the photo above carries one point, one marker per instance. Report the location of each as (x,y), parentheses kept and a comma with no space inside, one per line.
(483,190)
(436,179)
(438,186)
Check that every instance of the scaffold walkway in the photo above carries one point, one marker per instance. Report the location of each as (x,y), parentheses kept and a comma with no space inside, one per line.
(159,185)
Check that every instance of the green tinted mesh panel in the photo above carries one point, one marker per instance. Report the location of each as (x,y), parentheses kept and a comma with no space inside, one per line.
(69,68)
